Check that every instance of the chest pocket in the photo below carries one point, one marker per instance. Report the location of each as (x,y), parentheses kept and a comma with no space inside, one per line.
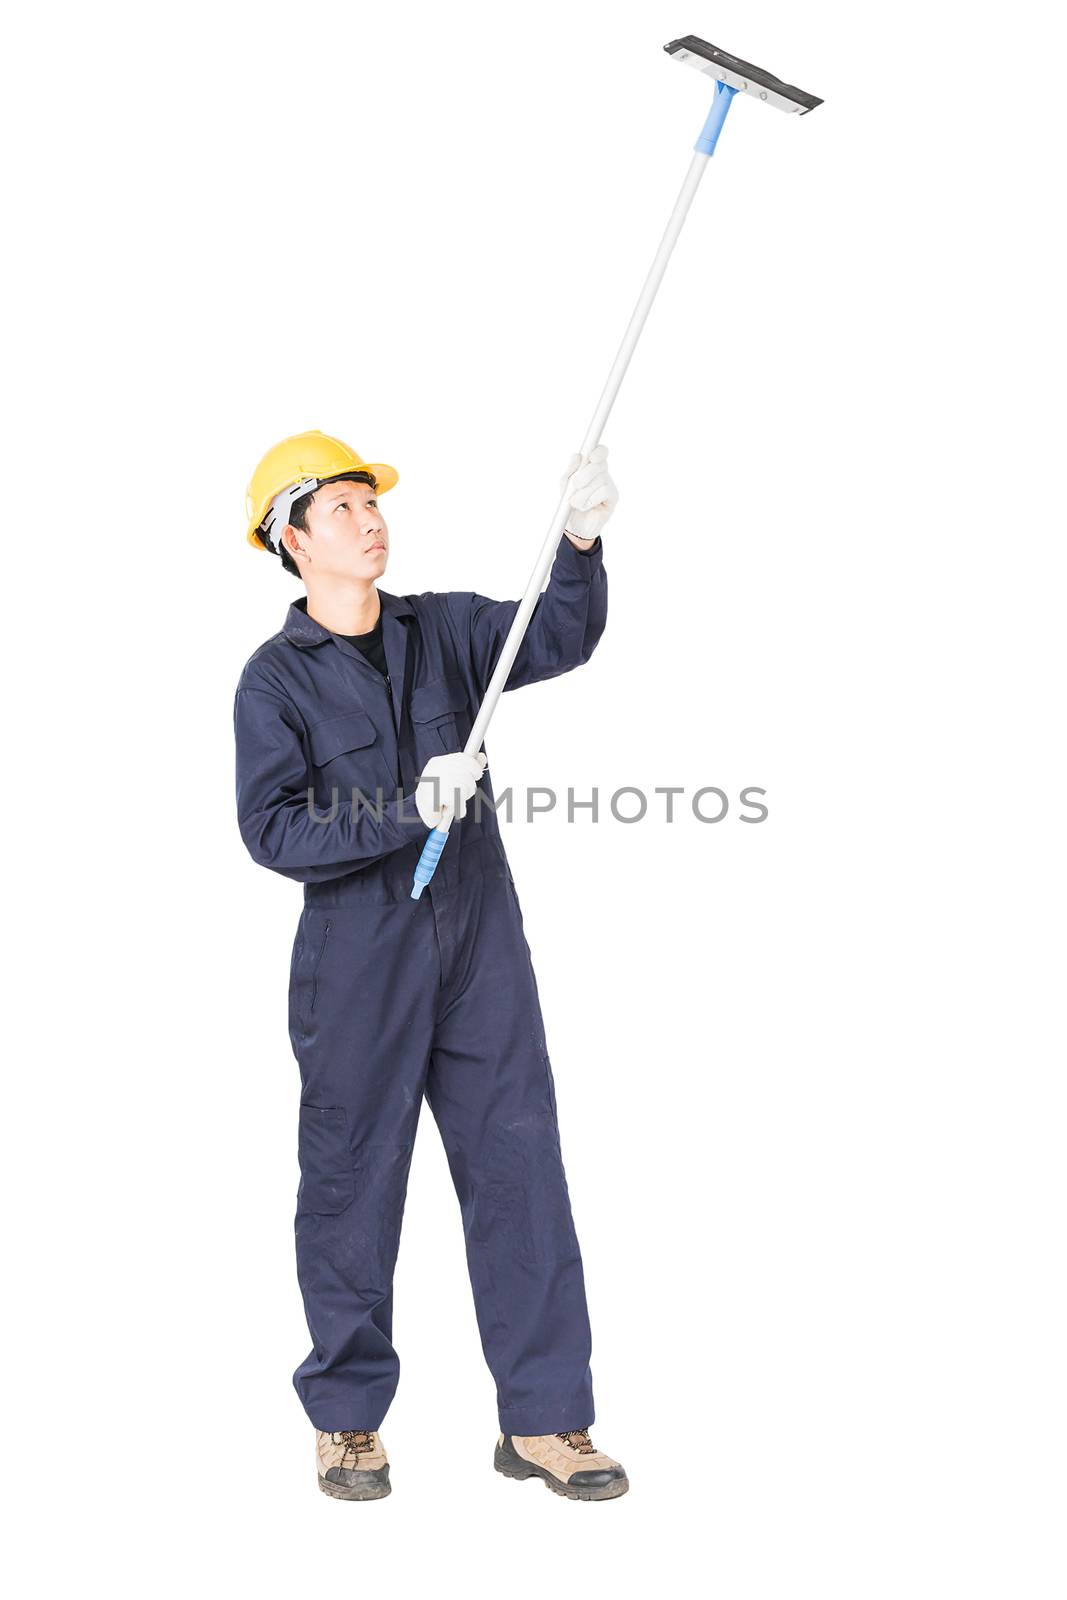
(440,712)
(343,750)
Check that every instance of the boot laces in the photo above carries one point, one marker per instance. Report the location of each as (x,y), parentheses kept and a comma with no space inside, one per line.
(578,1439)
(357,1442)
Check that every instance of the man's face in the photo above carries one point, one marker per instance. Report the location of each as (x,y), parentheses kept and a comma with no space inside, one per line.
(347,536)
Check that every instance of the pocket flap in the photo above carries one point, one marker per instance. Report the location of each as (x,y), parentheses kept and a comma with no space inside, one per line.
(327,1179)
(332,738)
(441,698)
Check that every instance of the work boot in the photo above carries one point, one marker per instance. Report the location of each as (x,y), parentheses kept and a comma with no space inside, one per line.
(352,1465)
(568,1463)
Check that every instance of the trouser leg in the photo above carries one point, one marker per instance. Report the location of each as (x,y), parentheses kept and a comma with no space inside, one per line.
(492,1094)
(364,988)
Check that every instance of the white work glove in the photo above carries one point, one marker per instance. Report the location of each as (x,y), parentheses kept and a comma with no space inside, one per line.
(592,493)
(456,778)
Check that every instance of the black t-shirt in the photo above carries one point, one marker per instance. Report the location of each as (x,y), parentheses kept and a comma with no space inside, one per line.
(370,644)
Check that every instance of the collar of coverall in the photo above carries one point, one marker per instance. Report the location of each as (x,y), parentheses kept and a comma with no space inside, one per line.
(305,631)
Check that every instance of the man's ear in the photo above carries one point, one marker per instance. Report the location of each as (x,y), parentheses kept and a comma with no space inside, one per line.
(292,540)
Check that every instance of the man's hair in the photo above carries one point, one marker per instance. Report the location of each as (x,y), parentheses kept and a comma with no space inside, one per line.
(298,515)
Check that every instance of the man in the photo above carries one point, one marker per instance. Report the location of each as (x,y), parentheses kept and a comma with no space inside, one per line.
(350,726)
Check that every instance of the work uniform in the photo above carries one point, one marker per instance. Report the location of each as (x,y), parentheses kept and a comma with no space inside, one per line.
(392,998)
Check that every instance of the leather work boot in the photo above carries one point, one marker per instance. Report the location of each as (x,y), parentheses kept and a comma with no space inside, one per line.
(568,1463)
(352,1465)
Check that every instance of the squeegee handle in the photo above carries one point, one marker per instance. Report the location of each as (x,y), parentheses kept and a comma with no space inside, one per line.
(705,144)
(431,855)
(701,154)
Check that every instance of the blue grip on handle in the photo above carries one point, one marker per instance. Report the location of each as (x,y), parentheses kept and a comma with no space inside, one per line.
(431,855)
(709,133)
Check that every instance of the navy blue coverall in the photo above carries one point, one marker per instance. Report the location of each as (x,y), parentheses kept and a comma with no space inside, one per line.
(392,998)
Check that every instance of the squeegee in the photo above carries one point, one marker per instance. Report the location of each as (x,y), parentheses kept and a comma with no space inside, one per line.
(732,76)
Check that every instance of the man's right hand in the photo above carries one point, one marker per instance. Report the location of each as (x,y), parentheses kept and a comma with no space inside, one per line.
(448,781)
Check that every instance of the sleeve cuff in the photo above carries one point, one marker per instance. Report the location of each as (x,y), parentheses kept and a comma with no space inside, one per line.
(582,563)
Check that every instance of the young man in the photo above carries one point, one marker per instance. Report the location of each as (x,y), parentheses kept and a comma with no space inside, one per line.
(350,726)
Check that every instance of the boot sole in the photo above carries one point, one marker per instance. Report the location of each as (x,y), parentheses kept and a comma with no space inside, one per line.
(375,1490)
(507,1469)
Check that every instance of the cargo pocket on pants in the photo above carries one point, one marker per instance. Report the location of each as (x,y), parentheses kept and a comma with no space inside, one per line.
(327,1180)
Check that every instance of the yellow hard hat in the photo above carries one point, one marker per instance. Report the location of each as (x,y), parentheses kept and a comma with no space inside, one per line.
(302,462)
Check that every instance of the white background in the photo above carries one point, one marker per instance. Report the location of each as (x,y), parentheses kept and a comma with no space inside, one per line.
(809,1073)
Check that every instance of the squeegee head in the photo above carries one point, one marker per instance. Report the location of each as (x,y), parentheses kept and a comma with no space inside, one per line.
(738,74)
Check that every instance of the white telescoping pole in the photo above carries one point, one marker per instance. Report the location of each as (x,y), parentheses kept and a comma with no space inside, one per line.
(705,145)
